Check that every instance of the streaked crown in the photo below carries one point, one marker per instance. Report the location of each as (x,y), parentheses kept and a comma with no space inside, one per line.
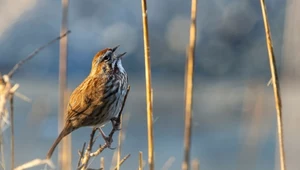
(106,61)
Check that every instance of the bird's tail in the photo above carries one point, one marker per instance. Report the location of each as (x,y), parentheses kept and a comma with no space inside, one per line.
(62,134)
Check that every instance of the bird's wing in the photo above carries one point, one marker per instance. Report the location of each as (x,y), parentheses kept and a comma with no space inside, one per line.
(85,98)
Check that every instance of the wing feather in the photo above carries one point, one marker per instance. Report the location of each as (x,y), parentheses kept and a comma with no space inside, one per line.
(85,98)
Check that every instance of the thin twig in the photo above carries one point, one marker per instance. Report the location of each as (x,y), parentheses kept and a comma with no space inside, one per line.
(12,140)
(35,52)
(99,150)
(269,82)
(148,86)
(189,88)
(23,97)
(140,160)
(86,157)
(81,154)
(122,161)
(275,84)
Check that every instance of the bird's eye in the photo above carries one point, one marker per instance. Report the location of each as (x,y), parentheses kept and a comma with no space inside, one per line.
(106,57)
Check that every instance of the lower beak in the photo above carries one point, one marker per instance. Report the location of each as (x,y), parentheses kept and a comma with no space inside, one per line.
(121,55)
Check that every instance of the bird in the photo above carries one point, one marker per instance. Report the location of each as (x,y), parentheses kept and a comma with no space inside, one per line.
(99,97)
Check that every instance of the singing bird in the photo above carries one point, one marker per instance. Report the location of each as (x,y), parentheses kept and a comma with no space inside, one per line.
(99,98)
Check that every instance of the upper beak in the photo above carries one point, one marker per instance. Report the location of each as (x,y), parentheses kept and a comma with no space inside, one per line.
(115,48)
(120,55)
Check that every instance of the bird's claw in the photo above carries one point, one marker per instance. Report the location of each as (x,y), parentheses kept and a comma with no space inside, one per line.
(108,139)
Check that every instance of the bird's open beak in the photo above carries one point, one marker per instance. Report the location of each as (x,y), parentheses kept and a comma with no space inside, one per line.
(120,55)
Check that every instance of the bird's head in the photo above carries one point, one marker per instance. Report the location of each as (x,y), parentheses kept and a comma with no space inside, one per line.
(107,61)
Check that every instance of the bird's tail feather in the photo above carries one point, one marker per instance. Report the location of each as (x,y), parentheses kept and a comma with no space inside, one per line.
(62,134)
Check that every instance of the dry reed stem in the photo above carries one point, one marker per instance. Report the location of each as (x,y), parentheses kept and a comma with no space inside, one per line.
(148,86)
(140,160)
(64,153)
(276,86)
(34,163)
(189,88)
(195,164)
(102,165)
(119,146)
(2,163)
(12,140)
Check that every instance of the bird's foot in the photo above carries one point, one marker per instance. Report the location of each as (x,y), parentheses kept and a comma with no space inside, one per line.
(108,139)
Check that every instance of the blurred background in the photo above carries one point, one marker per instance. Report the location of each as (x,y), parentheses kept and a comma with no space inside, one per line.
(234,123)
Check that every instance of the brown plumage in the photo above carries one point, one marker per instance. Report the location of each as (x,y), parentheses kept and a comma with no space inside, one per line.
(98,99)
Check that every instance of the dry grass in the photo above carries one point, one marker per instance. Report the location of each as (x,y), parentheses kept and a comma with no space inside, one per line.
(149,91)
(275,84)
(141,160)
(189,78)
(64,151)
